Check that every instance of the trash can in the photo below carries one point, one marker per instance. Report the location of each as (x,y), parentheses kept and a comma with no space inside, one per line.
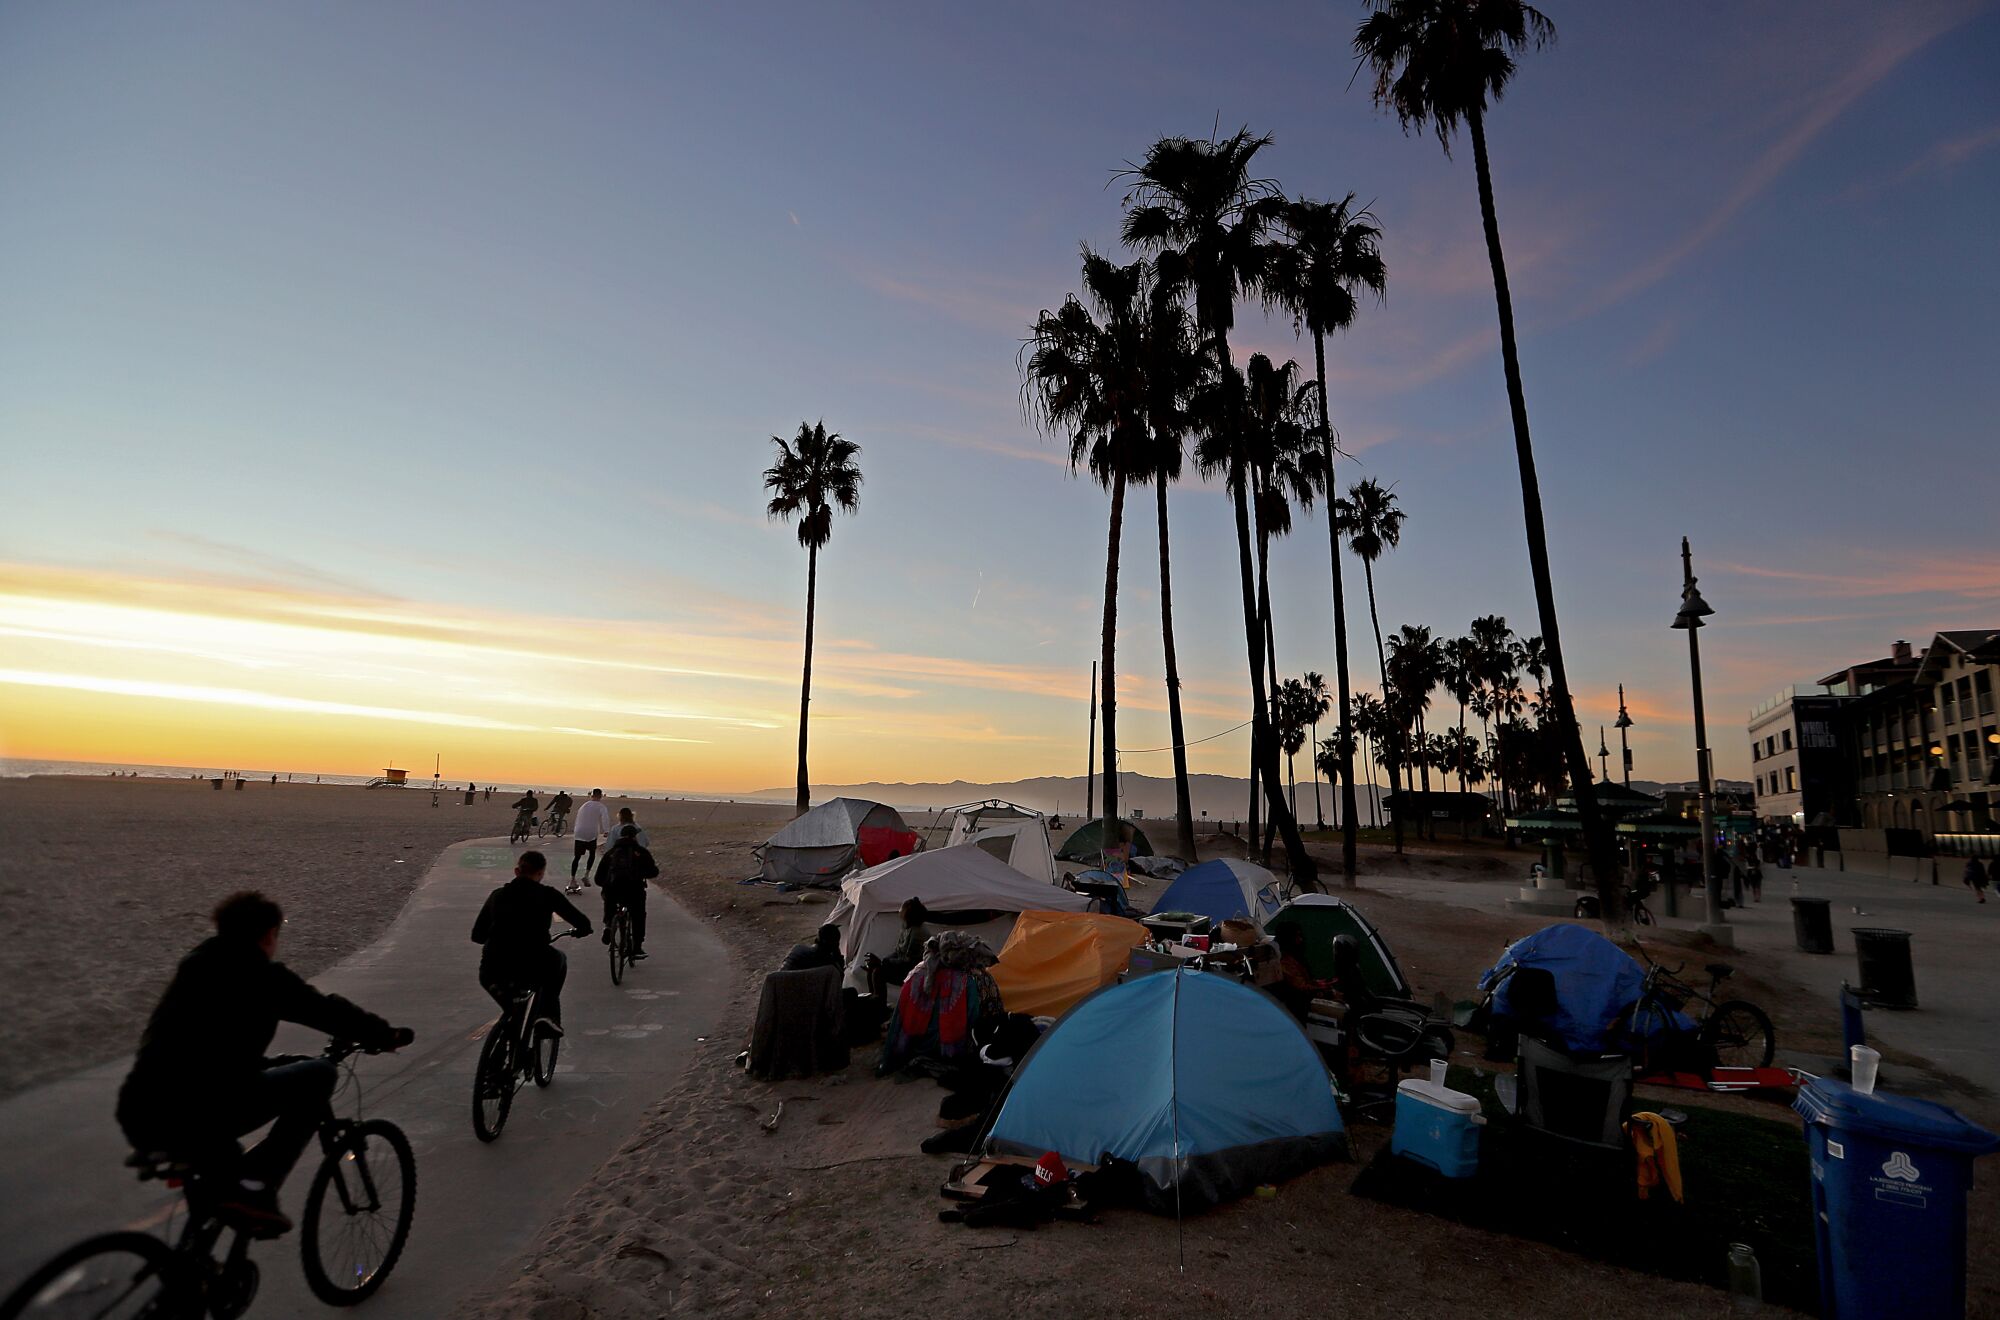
(1812,924)
(1889,1178)
(1887,980)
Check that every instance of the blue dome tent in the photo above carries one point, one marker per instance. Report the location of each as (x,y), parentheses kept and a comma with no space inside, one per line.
(1133,1071)
(1596,985)
(1222,889)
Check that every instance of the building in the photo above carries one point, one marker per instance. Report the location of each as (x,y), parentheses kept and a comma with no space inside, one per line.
(1798,769)
(1920,735)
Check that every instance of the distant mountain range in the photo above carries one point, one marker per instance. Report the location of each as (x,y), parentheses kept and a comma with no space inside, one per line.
(1218,797)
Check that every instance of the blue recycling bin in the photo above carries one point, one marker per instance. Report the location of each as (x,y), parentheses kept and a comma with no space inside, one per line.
(1889,1178)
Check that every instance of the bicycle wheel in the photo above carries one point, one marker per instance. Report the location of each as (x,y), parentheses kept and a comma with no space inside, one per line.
(358,1213)
(493,1082)
(618,944)
(1740,1034)
(117,1276)
(546,1049)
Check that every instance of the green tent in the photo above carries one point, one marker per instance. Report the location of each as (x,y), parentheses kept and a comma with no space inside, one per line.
(1085,842)
(1323,916)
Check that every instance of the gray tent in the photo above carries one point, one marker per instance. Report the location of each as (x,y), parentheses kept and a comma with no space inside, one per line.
(824,844)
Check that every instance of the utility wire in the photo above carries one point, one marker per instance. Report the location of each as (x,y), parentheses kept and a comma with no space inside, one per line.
(1144,751)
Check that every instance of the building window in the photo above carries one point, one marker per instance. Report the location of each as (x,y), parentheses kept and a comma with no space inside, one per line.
(1756,752)
(1788,740)
(1791,779)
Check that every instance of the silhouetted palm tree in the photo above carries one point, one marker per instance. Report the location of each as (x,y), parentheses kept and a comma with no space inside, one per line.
(1084,378)
(1315,684)
(1531,657)
(1437,63)
(814,475)
(1415,669)
(1293,708)
(1460,656)
(1368,717)
(1373,522)
(1331,252)
(1198,206)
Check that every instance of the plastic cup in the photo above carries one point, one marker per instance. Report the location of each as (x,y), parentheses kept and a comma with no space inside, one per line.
(1437,1072)
(1865,1064)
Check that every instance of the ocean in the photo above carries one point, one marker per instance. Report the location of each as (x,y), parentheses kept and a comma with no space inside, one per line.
(12,768)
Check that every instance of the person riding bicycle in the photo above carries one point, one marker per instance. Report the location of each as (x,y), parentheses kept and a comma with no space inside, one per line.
(559,806)
(592,820)
(623,875)
(200,1079)
(525,808)
(513,928)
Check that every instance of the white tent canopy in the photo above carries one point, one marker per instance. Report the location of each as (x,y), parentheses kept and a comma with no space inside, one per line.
(1015,834)
(824,844)
(965,878)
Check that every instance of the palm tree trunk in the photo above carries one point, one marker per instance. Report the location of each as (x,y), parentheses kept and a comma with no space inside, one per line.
(804,802)
(1458,751)
(1270,647)
(1319,805)
(1389,725)
(1108,694)
(1423,759)
(1596,827)
(1348,824)
(1183,800)
(1374,789)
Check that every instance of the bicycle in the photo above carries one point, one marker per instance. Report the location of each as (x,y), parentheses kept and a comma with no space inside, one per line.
(524,822)
(1735,1032)
(356,1223)
(1588,907)
(619,945)
(557,820)
(514,1051)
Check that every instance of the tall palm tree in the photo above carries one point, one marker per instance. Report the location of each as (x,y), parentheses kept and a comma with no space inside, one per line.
(1531,657)
(814,475)
(1437,64)
(1415,668)
(1461,676)
(1368,716)
(1083,371)
(1198,206)
(1330,253)
(1294,709)
(1315,684)
(1373,521)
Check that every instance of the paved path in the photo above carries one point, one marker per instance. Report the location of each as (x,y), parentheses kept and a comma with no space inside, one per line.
(478,1206)
(1955,945)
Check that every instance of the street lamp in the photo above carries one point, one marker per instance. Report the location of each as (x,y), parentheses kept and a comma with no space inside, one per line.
(1625,746)
(1693,610)
(1603,757)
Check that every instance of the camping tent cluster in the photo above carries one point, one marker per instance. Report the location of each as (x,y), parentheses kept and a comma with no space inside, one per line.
(832,839)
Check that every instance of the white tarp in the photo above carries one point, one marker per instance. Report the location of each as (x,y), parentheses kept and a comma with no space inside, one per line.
(962,879)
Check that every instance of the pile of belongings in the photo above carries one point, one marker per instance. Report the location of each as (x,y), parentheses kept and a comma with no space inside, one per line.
(1574,989)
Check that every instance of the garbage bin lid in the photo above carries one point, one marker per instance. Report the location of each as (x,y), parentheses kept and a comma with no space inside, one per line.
(1800,901)
(1892,1117)
(1880,932)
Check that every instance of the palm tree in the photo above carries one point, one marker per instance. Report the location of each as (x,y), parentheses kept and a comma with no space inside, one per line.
(1315,684)
(1197,205)
(1531,657)
(1367,724)
(1460,657)
(813,476)
(1373,522)
(1294,707)
(1330,253)
(1437,63)
(1084,378)
(1415,666)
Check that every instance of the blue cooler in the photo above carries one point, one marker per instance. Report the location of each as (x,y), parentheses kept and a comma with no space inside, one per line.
(1889,1178)
(1438,1127)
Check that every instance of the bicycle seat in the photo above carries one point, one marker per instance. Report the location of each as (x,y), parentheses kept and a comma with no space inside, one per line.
(1720,970)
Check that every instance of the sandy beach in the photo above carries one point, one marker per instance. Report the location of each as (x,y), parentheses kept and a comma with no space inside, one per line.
(112,880)
(701,1211)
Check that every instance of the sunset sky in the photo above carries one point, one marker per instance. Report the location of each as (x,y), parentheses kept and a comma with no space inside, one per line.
(381,381)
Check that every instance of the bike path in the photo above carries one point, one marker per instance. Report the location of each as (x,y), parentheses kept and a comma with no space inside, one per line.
(479,1206)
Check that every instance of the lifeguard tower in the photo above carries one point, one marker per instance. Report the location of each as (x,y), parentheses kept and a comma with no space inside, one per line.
(391,778)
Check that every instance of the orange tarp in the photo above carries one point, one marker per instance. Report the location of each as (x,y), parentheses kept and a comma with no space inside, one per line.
(1054,959)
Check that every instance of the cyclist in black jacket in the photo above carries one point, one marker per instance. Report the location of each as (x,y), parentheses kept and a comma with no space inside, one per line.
(623,874)
(514,928)
(200,1080)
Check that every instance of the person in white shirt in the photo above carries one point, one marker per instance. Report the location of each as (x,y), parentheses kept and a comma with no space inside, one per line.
(593,821)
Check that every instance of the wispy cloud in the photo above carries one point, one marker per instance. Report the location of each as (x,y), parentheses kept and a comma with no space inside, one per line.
(1973,577)
(263,564)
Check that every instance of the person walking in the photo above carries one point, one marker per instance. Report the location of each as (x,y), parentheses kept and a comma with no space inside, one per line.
(1976,877)
(593,822)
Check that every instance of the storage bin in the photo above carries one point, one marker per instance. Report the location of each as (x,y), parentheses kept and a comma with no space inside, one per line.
(1437,1127)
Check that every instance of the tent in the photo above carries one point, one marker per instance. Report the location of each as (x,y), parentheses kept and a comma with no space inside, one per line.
(824,844)
(1053,959)
(1086,841)
(966,888)
(1222,889)
(1203,1082)
(1596,983)
(1014,834)
(1323,916)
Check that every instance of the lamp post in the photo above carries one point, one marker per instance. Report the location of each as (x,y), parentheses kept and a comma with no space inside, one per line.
(1693,610)
(1603,757)
(1624,744)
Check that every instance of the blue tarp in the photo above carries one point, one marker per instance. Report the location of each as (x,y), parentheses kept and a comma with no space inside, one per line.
(1596,984)
(1133,1071)
(1222,889)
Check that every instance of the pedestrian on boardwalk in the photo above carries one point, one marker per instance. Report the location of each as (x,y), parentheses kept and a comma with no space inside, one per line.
(1975,878)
